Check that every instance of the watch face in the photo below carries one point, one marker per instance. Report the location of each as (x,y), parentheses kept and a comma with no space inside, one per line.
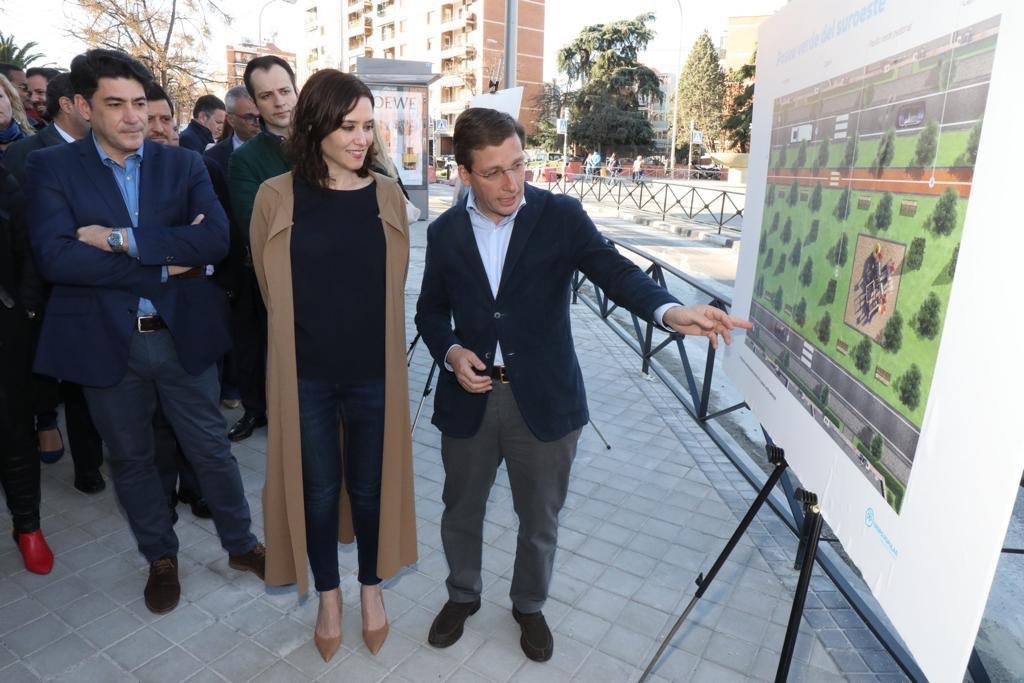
(114,239)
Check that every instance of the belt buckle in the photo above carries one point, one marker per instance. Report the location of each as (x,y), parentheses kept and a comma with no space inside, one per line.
(502,375)
(138,322)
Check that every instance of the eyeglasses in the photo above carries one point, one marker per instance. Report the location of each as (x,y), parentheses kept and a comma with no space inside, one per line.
(248,118)
(495,173)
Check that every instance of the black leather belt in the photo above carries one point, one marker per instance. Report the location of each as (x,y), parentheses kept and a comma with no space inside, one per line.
(498,374)
(196,271)
(150,323)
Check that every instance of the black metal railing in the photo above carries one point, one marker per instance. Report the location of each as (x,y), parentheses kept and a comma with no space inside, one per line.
(713,206)
(696,395)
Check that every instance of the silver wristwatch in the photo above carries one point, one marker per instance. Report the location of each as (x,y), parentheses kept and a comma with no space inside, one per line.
(116,241)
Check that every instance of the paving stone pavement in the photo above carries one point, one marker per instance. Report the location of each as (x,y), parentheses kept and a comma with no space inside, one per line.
(641,520)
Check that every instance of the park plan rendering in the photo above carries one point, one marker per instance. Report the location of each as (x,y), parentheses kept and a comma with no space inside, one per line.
(868,185)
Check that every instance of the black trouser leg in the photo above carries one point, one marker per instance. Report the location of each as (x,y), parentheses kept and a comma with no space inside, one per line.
(83,439)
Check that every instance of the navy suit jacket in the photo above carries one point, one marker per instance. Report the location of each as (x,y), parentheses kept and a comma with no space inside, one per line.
(195,137)
(552,237)
(90,318)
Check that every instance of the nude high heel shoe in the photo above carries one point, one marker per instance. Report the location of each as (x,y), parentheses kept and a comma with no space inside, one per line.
(375,638)
(328,646)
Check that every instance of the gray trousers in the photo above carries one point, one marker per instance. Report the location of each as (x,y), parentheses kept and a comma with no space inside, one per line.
(538,474)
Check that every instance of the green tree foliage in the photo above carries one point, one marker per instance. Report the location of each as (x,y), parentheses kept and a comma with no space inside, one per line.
(807,272)
(762,244)
(886,150)
(821,161)
(701,91)
(908,386)
(951,269)
(830,293)
(915,254)
(882,218)
(862,355)
(602,61)
(736,126)
(927,144)
(777,299)
(838,252)
(928,319)
(780,267)
(812,234)
(794,193)
(824,328)
(800,312)
(943,218)
(801,155)
(780,162)
(842,210)
(970,155)
(875,449)
(18,55)
(794,255)
(892,334)
(787,231)
(814,202)
(759,287)
(548,105)
(850,154)
(775,223)
(769,195)
(823,394)
(769,257)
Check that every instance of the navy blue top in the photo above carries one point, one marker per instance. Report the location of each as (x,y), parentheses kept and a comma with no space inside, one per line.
(338,282)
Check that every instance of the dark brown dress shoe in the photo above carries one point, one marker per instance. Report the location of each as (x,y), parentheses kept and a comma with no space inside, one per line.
(163,590)
(90,482)
(245,426)
(536,641)
(447,627)
(254,561)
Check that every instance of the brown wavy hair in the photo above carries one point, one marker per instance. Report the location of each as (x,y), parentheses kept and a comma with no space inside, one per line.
(326,99)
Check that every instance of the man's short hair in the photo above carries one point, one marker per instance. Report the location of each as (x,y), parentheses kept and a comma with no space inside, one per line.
(265,63)
(7,69)
(59,86)
(232,96)
(154,93)
(89,67)
(479,127)
(44,71)
(207,104)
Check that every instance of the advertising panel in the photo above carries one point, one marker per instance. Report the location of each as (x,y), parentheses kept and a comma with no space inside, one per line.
(399,113)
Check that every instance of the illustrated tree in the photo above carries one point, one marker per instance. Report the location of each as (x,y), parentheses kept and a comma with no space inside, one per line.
(842,210)
(915,254)
(775,223)
(787,231)
(886,151)
(801,155)
(780,266)
(823,394)
(794,193)
(759,287)
(837,253)
(862,355)
(821,161)
(927,320)
(850,153)
(800,312)
(777,300)
(769,195)
(167,37)
(830,293)
(970,155)
(18,55)
(824,328)
(927,144)
(812,234)
(951,269)
(807,272)
(814,202)
(943,218)
(740,114)
(780,161)
(762,244)
(769,257)
(908,387)
(875,449)
(892,334)
(794,255)
(701,91)
(882,218)
(602,64)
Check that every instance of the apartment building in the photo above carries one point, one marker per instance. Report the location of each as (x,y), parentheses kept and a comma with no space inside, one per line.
(463,39)
(237,56)
(738,43)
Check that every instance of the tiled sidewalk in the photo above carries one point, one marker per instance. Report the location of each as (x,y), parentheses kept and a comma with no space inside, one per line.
(641,521)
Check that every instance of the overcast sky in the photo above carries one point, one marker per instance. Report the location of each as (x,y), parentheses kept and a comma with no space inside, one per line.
(47,23)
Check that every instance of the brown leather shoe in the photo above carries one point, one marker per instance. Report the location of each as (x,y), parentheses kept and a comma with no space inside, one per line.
(447,626)
(254,561)
(536,640)
(162,589)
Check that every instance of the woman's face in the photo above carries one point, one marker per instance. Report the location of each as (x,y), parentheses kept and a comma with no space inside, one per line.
(347,146)
(5,109)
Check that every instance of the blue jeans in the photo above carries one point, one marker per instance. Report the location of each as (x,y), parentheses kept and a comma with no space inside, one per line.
(124,418)
(359,408)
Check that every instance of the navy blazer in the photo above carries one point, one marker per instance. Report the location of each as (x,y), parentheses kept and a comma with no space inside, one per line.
(552,237)
(90,317)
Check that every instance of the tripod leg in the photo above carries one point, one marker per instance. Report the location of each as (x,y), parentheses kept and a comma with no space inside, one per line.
(807,567)
(607,445)
(412,349)
(426,392)
(704,581)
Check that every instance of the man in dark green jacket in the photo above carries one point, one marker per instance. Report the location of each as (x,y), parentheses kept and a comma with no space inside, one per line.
(271,83)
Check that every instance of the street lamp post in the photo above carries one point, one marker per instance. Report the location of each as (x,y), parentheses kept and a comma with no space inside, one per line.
(259,42)
(675,98)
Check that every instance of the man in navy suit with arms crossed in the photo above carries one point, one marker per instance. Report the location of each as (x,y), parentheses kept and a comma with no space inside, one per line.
(123,228)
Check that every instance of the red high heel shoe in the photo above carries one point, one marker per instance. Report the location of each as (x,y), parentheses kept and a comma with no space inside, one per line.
(34,550)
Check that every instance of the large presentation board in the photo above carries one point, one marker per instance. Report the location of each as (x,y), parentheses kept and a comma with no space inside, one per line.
(880,264)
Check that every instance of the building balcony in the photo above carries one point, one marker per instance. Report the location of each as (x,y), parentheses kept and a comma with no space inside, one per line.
(453,107)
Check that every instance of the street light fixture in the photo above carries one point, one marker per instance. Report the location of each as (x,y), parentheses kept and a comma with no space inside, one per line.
(259,42)
(675,98)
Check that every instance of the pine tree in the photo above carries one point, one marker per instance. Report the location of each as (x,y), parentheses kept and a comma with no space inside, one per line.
(943,218)
(701,91)
(883,212)
(927,144)
(862,355)
(822,159)
(814,203)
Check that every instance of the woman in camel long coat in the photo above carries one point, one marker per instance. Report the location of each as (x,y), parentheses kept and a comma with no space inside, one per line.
(273,230)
